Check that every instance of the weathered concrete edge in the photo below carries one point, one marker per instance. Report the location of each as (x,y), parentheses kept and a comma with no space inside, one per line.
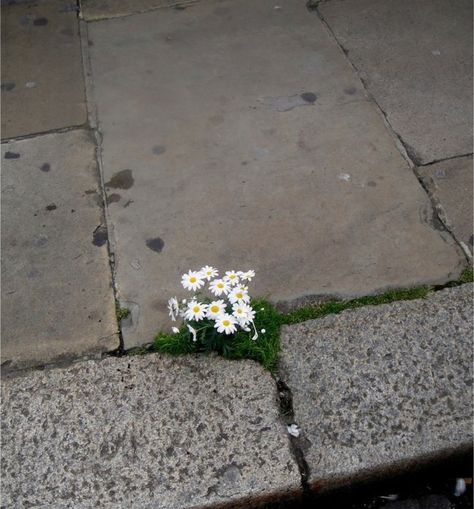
(326,485)
(94,18)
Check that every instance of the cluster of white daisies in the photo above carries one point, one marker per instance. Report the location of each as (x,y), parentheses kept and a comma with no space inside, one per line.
(231,311)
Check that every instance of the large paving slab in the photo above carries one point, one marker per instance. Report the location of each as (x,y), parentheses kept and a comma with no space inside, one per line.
(416,59)
(42,78)
(450,184)
(213,154)
(57,299)
(382,388)
(93,10)
(143,432)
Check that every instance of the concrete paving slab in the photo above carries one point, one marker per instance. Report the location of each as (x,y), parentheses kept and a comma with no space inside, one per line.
(215,155)
(416,59)
(143,432)
(57,299)
(450,184)
(382,388)
(93,10)
(42,79)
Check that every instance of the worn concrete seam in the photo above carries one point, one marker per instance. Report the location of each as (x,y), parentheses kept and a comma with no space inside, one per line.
(92,115)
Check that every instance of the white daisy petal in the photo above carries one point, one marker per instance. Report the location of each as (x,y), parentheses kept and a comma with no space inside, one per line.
(226,323)
(195,311)
(192,331)
(175,330)
(247,276)
(215,309)
(238,295)
(192,280)
(232,277)
(209,272)
(219,287)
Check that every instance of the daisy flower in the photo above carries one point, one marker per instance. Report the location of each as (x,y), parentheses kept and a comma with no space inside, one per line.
(247,276)
(226,323)
(232,277)
(196,311)
(192,280)
(193,331)
(219,286)
(173,308)
(209,272)
(215,309)
(243,312)
(238,294)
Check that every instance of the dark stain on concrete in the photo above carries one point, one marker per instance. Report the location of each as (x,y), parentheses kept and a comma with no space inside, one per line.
(308,97)
(99,236)
(155,244)
(12,155)
(113,198)
(371,183)
(159,149)
(45,167)
(33,273)
(8,86)
(89,191)
(127,203)
(121,180)
(350,90)
(51,206)
(471,240)
(40,22)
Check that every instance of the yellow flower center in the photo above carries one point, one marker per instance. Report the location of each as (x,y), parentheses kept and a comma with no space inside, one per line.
(225,323)
(196,309)
(192,279)
(239,295)
(220,285)
(215,309)
(232,276)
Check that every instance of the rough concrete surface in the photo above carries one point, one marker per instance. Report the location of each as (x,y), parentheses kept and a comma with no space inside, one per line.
(93,10)
(215,155)
(42,81)
(143,432)
(377,388)
(57,299)
(450,184)
(416,59)
(427,502)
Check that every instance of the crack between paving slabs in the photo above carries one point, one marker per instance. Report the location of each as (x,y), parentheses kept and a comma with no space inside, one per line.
(406,151)
(287,415)
(92,117)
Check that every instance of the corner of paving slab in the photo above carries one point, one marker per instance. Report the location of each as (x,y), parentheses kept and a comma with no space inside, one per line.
(151,430)
(382,390)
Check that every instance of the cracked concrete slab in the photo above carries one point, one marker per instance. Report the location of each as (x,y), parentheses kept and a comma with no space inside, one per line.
(57,299)
(42,79)
(212,154)
(144,431)
(382,388)
(450,183)
(416,59)
(94,10)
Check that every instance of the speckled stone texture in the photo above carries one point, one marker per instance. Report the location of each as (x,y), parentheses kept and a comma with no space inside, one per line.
(142,432)
(381,387)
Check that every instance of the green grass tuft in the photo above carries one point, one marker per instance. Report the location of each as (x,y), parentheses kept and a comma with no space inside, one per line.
(266,348)
(121,313)
(467,275)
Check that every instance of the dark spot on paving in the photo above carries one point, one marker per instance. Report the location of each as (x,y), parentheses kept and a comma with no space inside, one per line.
(89,191)
(180,7)
(99,236)
(41,240)
(244,163)
(308,97)
(350,90)
(471,240)
(72,210)
(8,86)
(51,206)
(121,180)
(40,22)
(11,155)
(33,273)
(371,183)
(90,43)
(159,149)
(45,167)
(67,31)
(127,203)
(113,198)
(155,244)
